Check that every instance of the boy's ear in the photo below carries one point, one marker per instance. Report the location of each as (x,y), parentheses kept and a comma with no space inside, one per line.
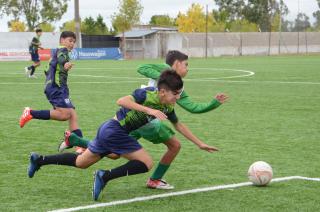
(162,91)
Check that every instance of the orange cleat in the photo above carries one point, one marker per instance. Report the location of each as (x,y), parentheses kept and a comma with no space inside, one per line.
(25,117)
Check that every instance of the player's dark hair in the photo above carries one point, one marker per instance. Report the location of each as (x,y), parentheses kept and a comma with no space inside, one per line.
(170,80)
(174,55)
(38,30)
(67,34)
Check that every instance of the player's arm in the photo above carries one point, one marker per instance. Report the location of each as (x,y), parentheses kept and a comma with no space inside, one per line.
(152,71)
(63,60)
(186,132)
(129,103)
(195,107)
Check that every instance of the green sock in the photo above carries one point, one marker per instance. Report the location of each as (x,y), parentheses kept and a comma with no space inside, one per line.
(160,171)
(75,140)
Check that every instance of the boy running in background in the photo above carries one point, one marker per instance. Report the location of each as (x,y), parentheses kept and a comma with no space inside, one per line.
(137,110)
(33,50)
(56,88)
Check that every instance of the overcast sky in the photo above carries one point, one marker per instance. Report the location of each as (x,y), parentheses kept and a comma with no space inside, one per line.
(152,7)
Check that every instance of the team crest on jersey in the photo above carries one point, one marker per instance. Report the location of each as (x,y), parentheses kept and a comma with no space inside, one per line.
(67,101)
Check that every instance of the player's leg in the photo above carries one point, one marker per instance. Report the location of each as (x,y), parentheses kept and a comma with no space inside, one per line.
(166,136)
(74,128)
(36,63)
(82,161)
(139,162)
(71,139)
(114,137)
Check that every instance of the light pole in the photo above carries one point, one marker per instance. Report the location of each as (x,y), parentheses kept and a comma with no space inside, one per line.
(77,23)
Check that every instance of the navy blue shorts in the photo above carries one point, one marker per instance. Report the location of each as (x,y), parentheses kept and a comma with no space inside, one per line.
(112,138)
(35,57)
(58,97)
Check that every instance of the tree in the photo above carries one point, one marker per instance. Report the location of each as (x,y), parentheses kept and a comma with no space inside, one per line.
(17,26)
(89,26)
(301,23)
(128,15)
(263,12)
(69,26)
(162,20)
(316,15)
(230,10)
(243,26)
(34,12)
(46,27)
(194,20)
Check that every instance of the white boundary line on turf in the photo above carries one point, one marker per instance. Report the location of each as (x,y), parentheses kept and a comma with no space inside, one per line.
(178,193)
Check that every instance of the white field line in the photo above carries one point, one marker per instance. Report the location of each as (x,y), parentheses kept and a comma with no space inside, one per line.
(178,193)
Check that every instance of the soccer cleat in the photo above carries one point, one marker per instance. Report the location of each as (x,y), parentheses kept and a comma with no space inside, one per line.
(65,144)
(33,76)
(158,184)
(25,117)
(98,184)
(27,71)
(33,166)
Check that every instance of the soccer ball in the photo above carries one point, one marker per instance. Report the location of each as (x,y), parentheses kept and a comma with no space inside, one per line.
(260,173)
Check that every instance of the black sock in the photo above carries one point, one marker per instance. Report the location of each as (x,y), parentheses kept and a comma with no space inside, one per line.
(40,114)
(130,168)
(78,132)
(67,159)
(32,70)
(30,67)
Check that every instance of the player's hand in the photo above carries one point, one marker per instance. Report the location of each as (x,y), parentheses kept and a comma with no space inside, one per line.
(157,113)
(208,148)
(222,98)
(68,65)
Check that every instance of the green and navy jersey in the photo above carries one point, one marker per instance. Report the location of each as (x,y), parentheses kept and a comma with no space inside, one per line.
(132,119)
(56,74)
(154,71)
(34,45)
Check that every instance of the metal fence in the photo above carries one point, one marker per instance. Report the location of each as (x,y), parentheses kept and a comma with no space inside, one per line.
(221,44)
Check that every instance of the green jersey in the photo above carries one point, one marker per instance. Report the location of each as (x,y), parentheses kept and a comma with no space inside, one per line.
(34,45)
(132,119)
(153,71)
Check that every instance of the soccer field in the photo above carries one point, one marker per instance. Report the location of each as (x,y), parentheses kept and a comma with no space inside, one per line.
(273,115)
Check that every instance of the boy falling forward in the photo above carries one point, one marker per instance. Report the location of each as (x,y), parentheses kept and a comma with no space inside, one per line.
(137,110)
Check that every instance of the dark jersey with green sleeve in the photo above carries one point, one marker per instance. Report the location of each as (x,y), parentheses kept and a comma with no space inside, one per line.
(34,45)
(132,119)
(153,71)
(56,74)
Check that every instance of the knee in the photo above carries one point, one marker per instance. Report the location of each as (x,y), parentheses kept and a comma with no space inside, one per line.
(175,147)
(64,116)
(82,165)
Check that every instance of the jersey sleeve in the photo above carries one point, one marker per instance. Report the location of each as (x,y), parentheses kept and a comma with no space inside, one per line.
(152,71)
(62,56)
(139,95)
(172,117)
(186,103)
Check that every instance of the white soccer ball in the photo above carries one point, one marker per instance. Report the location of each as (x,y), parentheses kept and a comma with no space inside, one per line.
(260,173)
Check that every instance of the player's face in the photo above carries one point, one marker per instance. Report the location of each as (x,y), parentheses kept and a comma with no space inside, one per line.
(68,42)
(169,97)
(181,67)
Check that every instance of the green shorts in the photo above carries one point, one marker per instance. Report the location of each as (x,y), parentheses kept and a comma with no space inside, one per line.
(155,132)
